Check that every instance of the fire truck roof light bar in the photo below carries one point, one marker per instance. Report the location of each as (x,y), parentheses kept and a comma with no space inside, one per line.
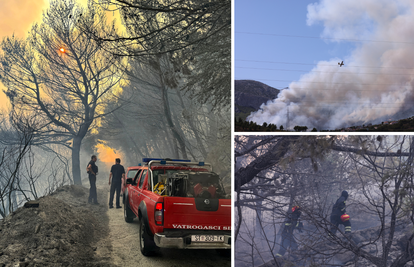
(146,160)
(187,163)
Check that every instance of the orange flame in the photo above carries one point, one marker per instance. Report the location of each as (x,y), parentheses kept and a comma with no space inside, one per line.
(107,154)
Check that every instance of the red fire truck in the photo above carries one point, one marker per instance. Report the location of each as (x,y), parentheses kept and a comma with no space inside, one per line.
(180,204)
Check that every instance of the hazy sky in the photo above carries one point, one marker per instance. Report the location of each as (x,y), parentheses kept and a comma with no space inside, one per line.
(16,17)
(267,19)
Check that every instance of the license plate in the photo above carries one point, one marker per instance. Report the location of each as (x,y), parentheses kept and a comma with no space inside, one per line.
(207,238)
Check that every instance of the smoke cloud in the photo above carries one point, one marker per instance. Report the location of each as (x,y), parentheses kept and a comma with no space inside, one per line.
(376,83)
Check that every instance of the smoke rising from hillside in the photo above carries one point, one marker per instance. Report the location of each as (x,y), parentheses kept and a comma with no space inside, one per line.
(376,83)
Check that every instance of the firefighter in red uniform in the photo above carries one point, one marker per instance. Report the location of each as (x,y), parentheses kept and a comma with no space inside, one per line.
(339,216)
(291,223)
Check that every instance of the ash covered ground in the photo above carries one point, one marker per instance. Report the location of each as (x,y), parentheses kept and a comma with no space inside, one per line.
(63,231)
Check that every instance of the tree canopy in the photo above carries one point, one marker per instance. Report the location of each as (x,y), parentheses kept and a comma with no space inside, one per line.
(196,34)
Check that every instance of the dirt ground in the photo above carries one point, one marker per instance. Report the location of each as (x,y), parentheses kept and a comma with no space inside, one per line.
(67,231)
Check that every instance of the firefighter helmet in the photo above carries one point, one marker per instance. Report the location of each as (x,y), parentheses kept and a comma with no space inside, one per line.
(294,208)
(345,217)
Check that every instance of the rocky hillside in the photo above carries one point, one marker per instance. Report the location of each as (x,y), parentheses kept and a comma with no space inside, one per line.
(62,231)
(249,95)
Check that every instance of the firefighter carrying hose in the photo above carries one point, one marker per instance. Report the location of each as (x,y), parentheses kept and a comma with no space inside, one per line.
(291,223)
(339,216)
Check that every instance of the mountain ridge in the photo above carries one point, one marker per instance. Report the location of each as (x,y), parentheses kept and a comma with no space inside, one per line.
(249,95)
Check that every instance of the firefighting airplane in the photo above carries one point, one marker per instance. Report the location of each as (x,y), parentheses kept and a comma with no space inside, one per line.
(341,64)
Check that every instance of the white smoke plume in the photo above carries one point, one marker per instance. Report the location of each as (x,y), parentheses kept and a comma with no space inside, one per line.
(376,83)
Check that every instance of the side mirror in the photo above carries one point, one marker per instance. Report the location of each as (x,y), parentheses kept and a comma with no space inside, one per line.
(129,181)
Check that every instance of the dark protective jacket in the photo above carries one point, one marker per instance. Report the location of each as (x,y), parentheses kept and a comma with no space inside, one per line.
(339,208)
(292,222)
(117,170)
(94,167)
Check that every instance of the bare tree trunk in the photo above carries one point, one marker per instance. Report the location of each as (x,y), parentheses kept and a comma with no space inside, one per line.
(189,119)
(170,143)
(76,161)
(167,113)
(259,212)
(14,200)
(175,148)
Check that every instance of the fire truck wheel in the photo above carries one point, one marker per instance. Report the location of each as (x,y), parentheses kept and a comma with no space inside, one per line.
(146,244)
(128,214)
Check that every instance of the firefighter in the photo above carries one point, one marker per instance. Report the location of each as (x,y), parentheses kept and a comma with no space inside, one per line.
(339,216)
(291,223)
(116,176)
(92,170)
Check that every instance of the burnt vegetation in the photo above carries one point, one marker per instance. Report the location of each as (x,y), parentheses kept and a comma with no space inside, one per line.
(275,173)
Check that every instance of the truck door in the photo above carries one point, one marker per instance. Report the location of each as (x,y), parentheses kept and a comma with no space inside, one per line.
(130,174)
(140,189)
(133,191)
